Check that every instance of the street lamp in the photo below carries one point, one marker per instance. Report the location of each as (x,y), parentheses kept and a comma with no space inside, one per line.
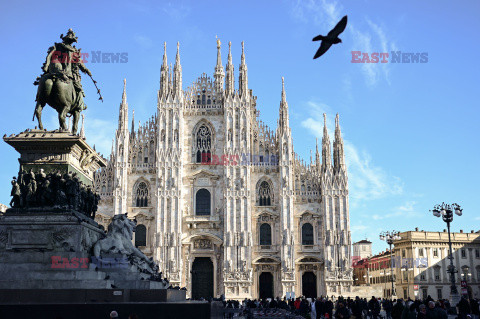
(389,237)
(446,212)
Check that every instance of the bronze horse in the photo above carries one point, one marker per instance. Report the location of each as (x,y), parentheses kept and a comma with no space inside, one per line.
(58,91)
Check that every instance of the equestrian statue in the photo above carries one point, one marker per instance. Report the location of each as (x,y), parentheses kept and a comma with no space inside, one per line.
(60,84)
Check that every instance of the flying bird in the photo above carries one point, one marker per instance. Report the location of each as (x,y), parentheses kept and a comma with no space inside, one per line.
(331,38)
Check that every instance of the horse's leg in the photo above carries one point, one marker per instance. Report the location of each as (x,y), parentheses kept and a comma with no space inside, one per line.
(61,118)
(76,117)
(38,114)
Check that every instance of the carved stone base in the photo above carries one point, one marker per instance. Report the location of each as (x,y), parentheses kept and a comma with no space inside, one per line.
(52,249)
(56,150)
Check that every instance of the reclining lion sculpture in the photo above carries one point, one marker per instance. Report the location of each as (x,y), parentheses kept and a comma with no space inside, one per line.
(119,241)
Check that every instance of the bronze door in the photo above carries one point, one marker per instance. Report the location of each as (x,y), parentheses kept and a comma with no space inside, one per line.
(309,285)
(266,285)
(202,278)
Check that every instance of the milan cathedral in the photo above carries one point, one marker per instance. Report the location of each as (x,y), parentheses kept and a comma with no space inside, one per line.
(221,201)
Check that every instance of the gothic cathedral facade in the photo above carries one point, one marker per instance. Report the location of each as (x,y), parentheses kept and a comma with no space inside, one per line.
(221,201)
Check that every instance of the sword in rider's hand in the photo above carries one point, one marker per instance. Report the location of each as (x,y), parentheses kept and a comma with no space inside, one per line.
(98,90)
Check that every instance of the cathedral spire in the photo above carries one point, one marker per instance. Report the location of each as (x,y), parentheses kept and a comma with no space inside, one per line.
(177,74)
(219,74)
(243,76)
(317,154)
(123,112)
(338,154)
(230,80)
(283,121)
(326,151)
(164,74)
(165,54)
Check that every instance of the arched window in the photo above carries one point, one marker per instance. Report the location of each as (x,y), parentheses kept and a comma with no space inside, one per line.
(264,194)
(265,234)
(140,236)
(141,195)
(202,202)
(203,145)
(307,234)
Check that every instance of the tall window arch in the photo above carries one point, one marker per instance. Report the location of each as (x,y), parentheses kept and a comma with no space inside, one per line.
(141,195)
(140,235)
(203,144)
(265,234)
(202,202)
(307,234)
(264,194)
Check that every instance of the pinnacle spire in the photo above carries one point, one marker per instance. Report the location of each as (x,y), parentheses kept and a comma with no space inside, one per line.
(177,58)
(177,75)
(164,74)
(219,75)
(338,133)
(243,77)
(243,54)
(338,153)
(230,53)
(284,118)
(326,151)
(164,54)
(123,112)
(230,80)
(124,95)
(219,54)
(133,121)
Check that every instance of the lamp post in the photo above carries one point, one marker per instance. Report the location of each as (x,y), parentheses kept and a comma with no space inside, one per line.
(446,211)
(390,237)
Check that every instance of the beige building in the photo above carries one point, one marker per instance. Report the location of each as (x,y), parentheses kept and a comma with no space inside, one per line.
(361,249)
(422,259)
(222,201)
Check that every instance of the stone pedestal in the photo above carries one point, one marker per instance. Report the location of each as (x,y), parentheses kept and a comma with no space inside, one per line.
(56,151)
(52,249)
(48,250)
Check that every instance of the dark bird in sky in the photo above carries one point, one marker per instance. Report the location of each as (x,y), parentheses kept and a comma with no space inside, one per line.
(331,38)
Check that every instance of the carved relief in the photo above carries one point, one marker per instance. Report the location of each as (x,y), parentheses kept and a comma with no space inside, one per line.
(202,244)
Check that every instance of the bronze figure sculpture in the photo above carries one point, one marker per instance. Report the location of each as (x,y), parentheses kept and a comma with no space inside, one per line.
(60,85)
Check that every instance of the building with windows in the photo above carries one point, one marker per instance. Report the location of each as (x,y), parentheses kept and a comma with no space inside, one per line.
(421,264)
(375,273)
(361,249)
(223,202)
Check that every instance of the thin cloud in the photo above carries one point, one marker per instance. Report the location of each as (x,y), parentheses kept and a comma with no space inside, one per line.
(367,181)
(143,41)
(176,11)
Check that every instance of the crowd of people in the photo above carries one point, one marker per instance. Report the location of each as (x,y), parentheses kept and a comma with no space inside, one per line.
(359,308)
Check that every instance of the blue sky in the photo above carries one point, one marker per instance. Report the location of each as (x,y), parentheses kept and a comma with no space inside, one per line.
(411,130)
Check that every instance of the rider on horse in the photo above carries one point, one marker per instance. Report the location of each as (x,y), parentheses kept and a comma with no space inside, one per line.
(60,84)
